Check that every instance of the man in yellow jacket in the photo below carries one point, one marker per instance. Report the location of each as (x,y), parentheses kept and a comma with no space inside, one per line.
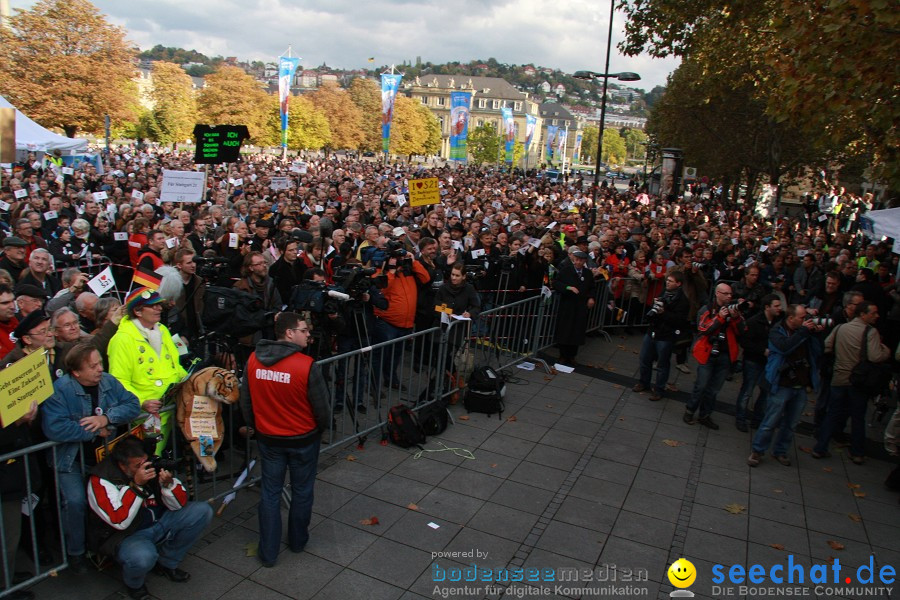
(143,357)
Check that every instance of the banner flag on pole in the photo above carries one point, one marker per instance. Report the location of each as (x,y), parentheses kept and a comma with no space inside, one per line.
(460,103)
(509,133)
(530,123)
(551,140)
(286,68)
(561,144)
(576,154)
(390,83)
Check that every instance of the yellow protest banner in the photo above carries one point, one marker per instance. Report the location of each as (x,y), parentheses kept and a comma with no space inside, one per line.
(25,381)
(424,191)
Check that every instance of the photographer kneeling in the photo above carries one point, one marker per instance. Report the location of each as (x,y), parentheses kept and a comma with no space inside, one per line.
(668,320)
(142,517)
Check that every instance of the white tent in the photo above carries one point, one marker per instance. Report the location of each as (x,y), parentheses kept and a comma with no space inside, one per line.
(32,137)
(882,223)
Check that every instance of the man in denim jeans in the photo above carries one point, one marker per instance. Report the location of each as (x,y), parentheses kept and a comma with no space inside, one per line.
(793,365)
(285,400)
(754,339)
(668,321)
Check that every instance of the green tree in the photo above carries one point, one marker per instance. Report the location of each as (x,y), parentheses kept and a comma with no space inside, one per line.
(344,118)
(174,104)
(366,95)
(484,144)
(65,66)
(231,97)
(634,138)
(589,145)
(613,147)
(432,126)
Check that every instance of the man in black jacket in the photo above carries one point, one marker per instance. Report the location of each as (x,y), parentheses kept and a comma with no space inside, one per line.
(668,321)
(754,339)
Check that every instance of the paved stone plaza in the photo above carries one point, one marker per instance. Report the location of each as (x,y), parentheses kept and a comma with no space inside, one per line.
(580,472)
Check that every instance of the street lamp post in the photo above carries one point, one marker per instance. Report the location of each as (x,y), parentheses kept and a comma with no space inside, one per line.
(605,77)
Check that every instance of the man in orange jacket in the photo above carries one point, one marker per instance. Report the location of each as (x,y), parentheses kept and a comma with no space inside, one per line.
(399,317)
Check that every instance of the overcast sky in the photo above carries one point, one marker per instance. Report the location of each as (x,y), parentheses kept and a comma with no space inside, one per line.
(344,33)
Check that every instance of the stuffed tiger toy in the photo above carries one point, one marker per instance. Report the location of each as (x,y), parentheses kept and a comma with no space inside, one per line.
(219,385)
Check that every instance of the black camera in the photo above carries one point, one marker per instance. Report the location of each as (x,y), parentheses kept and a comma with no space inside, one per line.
(159,463)
(356,280)
(318,298)
(474,272)
(507,263)
(395,249)
(657,308)
(210,268)
(741,307)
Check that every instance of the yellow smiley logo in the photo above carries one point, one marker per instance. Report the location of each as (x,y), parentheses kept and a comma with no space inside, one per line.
(682,573)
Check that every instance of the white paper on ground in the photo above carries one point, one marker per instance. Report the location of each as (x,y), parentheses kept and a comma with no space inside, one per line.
(526,366)
(563,368)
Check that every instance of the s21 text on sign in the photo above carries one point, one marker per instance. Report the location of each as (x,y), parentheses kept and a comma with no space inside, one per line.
(424,191)
(182,186)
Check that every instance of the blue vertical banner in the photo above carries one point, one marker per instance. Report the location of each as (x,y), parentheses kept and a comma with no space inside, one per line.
(460,104)
(552,130)
(286,68)
(530,124)
(561,144)
(576,154)
(390,83)
(509,133)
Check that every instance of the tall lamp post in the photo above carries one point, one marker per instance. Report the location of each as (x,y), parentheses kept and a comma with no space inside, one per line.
(605,77)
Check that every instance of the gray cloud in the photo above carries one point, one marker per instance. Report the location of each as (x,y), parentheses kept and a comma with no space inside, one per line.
(344,33)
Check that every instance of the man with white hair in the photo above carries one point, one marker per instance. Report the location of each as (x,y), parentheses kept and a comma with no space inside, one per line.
(40,272)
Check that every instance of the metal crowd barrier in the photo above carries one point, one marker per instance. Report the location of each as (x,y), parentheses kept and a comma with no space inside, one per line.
(18,503)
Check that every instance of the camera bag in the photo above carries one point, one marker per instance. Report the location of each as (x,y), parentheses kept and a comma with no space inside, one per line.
(485,392)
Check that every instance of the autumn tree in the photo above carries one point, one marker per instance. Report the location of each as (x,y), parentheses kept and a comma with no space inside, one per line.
(366,95)
(613,147)
(432,126)
(65,66)
(344,118)
(308,128)
(589,144)
(231,97)
(174,105)
(484,144)
(825,67)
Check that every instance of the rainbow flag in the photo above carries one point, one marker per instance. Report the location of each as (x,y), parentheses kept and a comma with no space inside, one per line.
(147,279)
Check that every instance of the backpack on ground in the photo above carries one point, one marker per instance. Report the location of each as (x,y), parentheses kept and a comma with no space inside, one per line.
(485,392)
(433,418)
(403,427)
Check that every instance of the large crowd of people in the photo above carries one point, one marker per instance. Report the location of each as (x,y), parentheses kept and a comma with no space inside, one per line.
(769,296)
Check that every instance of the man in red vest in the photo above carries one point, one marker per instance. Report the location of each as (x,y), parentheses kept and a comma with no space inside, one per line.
(149,257)
(284,398)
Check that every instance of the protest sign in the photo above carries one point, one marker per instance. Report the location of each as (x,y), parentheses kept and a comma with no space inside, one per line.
(182,186)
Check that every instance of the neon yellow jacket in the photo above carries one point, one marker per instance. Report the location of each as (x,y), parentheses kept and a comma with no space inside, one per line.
(135,364)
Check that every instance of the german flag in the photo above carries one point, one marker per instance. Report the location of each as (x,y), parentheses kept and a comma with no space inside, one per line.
(144,278)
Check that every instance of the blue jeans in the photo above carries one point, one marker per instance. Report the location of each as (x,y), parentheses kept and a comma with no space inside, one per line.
(783,410)
(661,352)
(73,503)
(845,401)
(710,378)
(752,376)
(389,357)
(276,461)
(165,542)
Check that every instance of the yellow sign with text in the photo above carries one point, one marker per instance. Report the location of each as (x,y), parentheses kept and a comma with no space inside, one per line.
(424,191)
(25,381)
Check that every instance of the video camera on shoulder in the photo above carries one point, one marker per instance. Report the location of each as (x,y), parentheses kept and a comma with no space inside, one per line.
(210,268)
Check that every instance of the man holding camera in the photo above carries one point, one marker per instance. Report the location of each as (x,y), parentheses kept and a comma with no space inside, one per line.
(754,339)
(140,515)
(668,320)
(792,366)
(716,349)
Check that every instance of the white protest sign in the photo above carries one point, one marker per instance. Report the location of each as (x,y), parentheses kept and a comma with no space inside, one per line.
(21,193)
(120,236)
(239,182)
(171,242)
(137,194)
(478,253)
(103,282)
(182,186)
(68,171)
(279,183)
(49,215)
(232,240)
(4,205)
(98,196)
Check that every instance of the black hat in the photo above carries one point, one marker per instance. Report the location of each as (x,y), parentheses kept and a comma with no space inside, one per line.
(458,227)
(33,319)
(580,254)
(15,242)
(31,290)
(582,239)
(265,223)
(637,231)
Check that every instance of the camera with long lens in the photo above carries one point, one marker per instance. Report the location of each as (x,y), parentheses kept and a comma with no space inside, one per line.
(507,263)
(396,250)
(826,322)
(210,268)
(657,308)
(474,273)
(742,307)
(159,463)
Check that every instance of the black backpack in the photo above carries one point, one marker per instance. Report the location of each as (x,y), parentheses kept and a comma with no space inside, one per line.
(433,418)
(403,427)
(235,312)
(485,392)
